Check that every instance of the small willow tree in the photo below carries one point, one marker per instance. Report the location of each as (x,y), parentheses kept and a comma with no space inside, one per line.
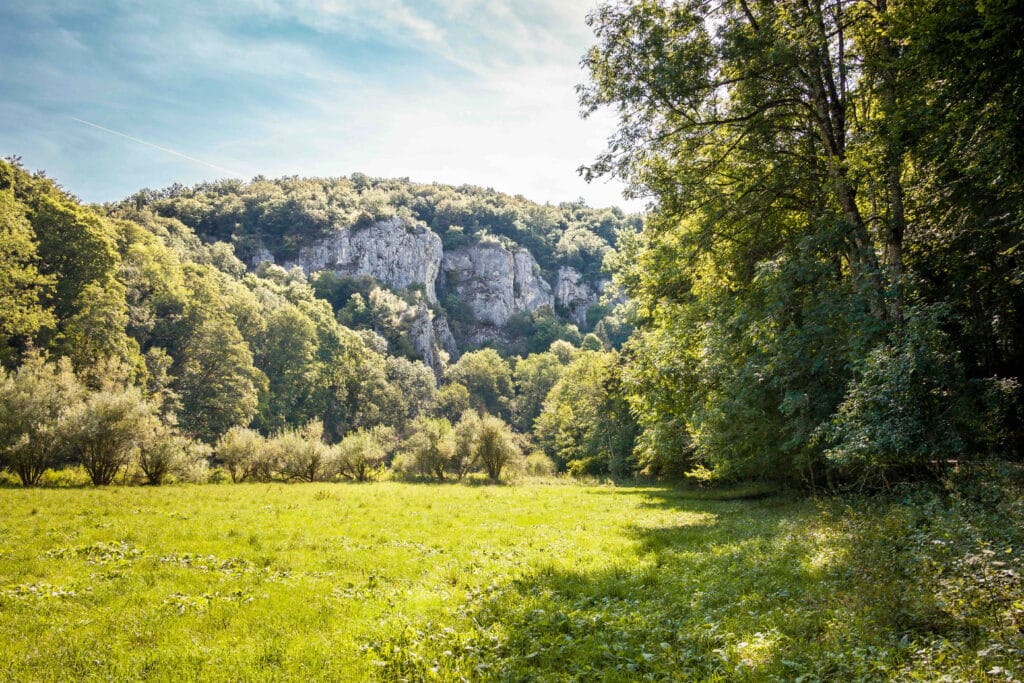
(497,446)
(31,399)
(104,431)
(431,447)
(303,454)
(361,454)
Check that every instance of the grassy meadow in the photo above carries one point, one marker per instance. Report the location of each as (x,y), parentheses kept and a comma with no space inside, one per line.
(552,581)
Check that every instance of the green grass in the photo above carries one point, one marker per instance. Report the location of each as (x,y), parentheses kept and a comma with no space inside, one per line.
(532,582)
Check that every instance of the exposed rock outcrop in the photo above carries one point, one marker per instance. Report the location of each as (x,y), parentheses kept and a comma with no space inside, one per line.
(445,338)
(494,281)
(389,251)
(423,338)
(573,295)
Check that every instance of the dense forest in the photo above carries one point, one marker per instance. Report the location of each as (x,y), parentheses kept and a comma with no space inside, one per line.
(830,287)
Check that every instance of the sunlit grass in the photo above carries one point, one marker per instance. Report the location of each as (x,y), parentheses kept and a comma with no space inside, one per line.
(531,582)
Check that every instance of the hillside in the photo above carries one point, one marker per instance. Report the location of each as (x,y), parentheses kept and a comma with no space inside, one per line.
(336,365)
(490,268)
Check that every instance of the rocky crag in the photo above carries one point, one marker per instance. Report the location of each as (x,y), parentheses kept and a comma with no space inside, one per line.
(495,280)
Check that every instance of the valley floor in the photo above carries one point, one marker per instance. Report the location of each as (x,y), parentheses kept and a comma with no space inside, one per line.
(532,582)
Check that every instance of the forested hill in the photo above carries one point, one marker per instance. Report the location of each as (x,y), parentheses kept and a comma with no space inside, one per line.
(120,319)
(494,269)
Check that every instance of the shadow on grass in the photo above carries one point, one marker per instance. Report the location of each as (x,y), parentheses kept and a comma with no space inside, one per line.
(767,589)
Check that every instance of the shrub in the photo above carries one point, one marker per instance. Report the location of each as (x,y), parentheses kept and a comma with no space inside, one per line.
(163,452)
(243,453)
(103,431)
(431,447)
(31,399)
(65,477)
(466,435)
(194,466)
(906,410)
(303,454)
(361,455)
(538,464)
(497,446)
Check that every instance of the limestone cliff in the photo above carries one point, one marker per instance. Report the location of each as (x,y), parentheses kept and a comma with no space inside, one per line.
(573,295)
(390,251)
(494,281)
(424,339)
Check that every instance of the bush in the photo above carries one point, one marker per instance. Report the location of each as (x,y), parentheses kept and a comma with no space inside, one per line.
(244,454)
(538,464)
(906,412)
(302,453)
(65,477)
(163,453)
(430,448)
(497,446)
(194,466)
(103,431)
(360,456)
(465,453)
(31,399)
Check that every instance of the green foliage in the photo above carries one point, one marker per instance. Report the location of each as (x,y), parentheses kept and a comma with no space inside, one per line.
(412,390)
(245,454)
(908,408)
(585,420)
(592,342)
(538,464)
(386,313)
(31,400)
(465,455)
(361,454)
(301,453)
(103,431)
(487,377)
(452,401)
(816,197)
(429,449)
(163,453)
(288,356)
(498,447)
(96,334)
(217,381)
(534,376)
(22,314)
(539,329)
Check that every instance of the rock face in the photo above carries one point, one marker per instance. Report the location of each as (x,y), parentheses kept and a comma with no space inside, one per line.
(389,251)
(494,281)
(423,338)
(445,338)
(573,295)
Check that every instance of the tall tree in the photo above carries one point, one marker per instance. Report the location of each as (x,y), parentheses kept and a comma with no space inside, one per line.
(218,384)
(22,314)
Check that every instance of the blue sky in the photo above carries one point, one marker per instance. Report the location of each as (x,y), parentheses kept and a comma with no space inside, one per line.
(110,97)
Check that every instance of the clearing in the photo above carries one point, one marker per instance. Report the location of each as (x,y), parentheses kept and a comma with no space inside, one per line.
(531,582)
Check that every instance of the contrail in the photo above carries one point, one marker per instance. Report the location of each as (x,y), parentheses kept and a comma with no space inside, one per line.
(163,149)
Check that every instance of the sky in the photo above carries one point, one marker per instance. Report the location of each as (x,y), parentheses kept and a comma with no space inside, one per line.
(111,97)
